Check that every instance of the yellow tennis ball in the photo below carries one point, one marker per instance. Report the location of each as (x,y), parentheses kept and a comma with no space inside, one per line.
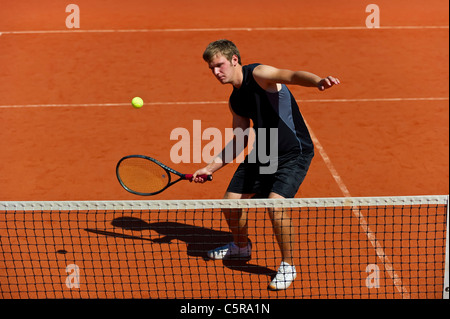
(137,102)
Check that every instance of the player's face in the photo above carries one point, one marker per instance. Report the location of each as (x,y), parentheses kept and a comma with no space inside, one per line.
(222,69)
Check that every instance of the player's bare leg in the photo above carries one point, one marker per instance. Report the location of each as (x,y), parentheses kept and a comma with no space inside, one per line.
(283,229)
(284,232)
(237,220)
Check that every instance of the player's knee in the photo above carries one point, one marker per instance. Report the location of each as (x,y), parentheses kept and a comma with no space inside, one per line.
(278,215)
(231,195)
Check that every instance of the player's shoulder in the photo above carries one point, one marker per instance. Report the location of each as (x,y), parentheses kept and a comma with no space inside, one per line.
(263,70)
(251,67)
(248,71)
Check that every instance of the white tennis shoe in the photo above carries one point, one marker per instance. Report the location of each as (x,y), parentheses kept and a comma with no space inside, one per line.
(284,278)
(231,251)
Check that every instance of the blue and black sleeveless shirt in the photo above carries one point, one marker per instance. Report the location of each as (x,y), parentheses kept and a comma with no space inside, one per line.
(272,110)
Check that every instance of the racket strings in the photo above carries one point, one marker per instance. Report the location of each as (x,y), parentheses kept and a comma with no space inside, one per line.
(143,176)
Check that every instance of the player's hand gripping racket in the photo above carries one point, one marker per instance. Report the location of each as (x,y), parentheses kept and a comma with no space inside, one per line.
(143,175)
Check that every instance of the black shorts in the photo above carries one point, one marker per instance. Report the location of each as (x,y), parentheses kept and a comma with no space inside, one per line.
(285,181)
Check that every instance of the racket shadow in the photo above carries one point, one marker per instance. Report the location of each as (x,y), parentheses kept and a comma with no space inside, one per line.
(198,240)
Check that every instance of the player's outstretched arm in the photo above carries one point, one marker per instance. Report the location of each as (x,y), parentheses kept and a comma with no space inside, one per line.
(268,77)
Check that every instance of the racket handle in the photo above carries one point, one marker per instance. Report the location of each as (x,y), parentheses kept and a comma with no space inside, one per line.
(205,177)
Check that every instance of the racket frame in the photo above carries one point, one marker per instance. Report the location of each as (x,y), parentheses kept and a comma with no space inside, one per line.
(163,166)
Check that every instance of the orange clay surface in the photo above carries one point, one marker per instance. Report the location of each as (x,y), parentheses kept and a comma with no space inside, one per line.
(385,129)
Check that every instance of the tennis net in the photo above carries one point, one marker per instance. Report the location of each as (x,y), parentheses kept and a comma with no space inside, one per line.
(377,247)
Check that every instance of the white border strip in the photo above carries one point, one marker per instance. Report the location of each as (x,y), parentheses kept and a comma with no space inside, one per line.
(222,203)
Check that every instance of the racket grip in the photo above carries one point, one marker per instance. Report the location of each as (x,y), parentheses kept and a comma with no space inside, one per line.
(205,177)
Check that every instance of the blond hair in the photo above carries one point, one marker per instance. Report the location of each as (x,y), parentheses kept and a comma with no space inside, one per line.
(225,47)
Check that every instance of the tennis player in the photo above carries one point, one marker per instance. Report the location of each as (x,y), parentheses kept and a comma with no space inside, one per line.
(260,95)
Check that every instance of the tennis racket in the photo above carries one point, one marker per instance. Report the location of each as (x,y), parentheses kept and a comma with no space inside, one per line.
(145,176)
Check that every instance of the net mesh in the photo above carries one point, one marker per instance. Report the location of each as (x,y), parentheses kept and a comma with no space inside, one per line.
(388,247)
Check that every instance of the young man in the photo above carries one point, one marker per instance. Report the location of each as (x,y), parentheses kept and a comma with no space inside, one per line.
(260,95)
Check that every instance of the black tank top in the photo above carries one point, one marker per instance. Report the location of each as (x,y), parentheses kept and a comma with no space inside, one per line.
(272,110)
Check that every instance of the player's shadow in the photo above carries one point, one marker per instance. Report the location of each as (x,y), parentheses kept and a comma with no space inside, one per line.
(198,240)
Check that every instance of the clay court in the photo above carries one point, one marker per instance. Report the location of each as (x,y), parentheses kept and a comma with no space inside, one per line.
(65,94)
